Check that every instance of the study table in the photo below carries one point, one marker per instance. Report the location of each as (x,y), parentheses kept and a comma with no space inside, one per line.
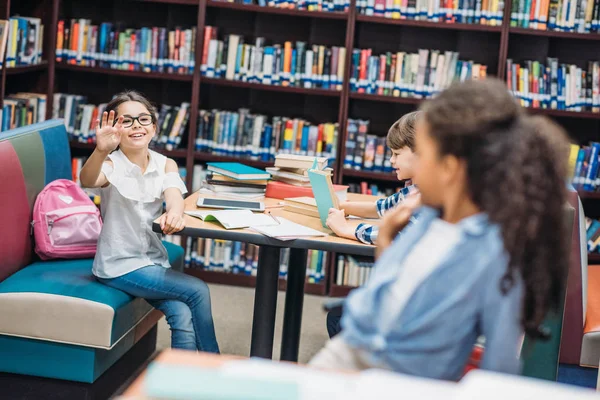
(265,299)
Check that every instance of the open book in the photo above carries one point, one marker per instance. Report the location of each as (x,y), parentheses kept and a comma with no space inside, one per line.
(234,219)
(287,230)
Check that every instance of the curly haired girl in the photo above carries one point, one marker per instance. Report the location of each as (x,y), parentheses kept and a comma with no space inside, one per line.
(487,256)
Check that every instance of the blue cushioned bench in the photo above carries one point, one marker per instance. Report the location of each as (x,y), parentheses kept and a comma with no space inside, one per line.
(56,319)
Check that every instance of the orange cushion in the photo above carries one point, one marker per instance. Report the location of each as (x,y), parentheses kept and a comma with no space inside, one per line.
(592,318)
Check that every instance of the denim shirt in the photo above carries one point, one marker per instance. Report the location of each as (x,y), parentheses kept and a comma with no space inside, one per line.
(433,333)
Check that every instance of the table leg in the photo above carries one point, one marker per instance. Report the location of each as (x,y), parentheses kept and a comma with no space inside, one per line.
(294,300)
(265,302)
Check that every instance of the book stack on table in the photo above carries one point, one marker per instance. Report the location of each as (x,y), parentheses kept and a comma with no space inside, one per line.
(235,180)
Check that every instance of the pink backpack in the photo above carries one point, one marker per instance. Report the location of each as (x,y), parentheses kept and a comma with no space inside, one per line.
(66,222)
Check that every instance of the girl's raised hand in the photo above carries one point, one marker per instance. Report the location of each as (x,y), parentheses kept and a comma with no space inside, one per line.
(108,136)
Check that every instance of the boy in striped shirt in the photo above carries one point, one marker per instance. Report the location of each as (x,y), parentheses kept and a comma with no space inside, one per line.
(401,139)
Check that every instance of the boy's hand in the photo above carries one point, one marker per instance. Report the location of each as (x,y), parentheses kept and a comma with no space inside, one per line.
(171,222)
(108,136)
(336,221)
(395,220)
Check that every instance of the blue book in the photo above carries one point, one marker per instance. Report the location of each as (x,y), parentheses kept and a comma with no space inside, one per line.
(237,171)
(323,192)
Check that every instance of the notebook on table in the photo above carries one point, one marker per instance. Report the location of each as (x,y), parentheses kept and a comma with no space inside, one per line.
(287,230)
(323,192)
(234,219)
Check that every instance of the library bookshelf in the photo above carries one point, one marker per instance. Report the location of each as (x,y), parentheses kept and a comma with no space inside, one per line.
(485,44)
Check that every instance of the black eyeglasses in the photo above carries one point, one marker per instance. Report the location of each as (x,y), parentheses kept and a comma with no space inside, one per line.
(143,119)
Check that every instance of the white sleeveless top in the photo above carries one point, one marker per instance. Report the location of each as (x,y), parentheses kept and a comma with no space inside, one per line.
(129,205)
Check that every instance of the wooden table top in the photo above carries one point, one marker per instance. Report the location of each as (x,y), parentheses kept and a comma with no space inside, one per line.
(195,227)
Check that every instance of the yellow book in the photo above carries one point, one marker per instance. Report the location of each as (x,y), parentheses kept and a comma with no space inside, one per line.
(573,159)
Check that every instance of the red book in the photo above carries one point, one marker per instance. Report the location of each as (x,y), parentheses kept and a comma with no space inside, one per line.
(280,190)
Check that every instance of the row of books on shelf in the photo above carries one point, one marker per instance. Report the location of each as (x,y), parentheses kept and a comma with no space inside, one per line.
(21,40)
(486,12)
(587,165)
(364,151)
(242,258)
(295,64)
(22,109)
(352,271)
(401,74)
(305,5)
(582,16)
(555,85)
(110,45)
(242,133)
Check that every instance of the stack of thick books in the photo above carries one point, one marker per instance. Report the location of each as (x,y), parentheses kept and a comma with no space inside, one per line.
(235,180)
(290,177)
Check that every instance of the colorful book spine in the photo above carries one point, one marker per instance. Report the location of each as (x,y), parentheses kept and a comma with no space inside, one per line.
(586,173)
(147,49)
(352,270)
(291,64)
(483,12)
(364,151)
(22,109)
(24,43)
(419,75)
(555,85)
(244,134)
(581,16)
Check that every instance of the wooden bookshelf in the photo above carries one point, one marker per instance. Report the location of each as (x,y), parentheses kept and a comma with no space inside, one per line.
(276,10)
(340,290)
(225,278)
(489,45)
(554,34)
(169,153)
(427,24)
(593,258)
(124,73)
(589,195)
(27,68)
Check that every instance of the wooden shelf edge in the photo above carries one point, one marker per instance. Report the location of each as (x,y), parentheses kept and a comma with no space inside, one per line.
(556,34)
(588,195)
(23,69)
(208,157)
(277,10)
(120,72)
(380,176)
(386,99)
(593,258)
(272,88)
(225,278)
(429,24)
(340,290)
(180,2)
(565,113)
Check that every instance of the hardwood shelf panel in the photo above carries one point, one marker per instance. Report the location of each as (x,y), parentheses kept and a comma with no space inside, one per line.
(588,195)
(277,10)
(565,113)
(27,68)
(593,258)
(379,176)
(182,2)
(207,157)
(340,290)
(385,99)
(564,35)
(120,72)
(271,88)
(177,153)
(428,24)
(225,278)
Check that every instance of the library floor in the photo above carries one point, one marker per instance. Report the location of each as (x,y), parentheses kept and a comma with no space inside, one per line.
(232,312)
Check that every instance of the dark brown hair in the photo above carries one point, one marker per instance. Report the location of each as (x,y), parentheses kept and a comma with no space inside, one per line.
(130,95)
(516,172)
(402,132)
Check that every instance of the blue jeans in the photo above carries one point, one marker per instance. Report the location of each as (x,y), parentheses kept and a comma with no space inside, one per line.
(184,299)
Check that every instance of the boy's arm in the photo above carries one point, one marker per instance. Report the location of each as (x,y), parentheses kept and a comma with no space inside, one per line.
(336,221)
(365,209)
(91,175)
(173,221)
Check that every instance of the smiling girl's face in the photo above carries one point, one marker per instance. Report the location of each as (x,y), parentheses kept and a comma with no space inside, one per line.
(138,125)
